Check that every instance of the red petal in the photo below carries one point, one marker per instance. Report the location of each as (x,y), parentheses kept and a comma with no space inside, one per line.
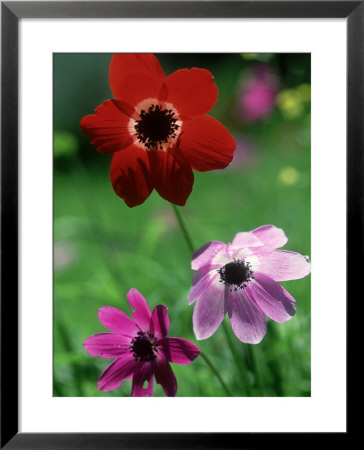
(135,76)
(172,176)
(130,175)
(108,127)
(206,144)
(193,92)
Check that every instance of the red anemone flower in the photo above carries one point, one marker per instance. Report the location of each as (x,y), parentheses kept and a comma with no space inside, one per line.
(157,129)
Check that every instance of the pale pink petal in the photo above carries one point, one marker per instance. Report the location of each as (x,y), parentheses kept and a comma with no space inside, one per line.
(115,320)
(246,318)
(271,236)
(246,239)
(139,309)
(165,377)
(144,373)
(283,265)
(205,255)
(209,310)
(159,323)
(271,297)
(237,252)
(118,371)
(200,282)
(178,350)
(107,345)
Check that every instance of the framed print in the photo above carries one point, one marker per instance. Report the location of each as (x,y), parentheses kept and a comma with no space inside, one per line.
(181,191)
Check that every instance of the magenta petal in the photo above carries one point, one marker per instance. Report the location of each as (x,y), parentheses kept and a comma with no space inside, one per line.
(139,309)
(178,350)
(143,373)
(165,377)
(283,265)
(159,323)
(247,320)
(119,370)
(246,239)
(209,310)
(115,320)
(205,254)
(106,345)
(271,236)
(272,298)
(200,282)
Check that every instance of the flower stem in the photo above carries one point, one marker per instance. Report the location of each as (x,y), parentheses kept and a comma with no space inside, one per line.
(212,367)
(242,370)
(190,245)
(183,228)
(257,372)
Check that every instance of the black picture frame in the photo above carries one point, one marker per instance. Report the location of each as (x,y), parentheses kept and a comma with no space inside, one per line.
(11,12)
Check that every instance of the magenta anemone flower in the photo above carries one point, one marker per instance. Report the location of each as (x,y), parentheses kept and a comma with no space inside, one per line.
(240,278)
(140,348)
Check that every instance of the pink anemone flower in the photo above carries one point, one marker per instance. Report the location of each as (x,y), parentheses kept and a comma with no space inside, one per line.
(240,278)
(140,348)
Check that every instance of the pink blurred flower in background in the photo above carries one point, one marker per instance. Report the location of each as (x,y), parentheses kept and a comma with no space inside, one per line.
(257,94)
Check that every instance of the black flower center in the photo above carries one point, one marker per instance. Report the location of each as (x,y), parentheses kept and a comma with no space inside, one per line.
(143,346)
(236,274)
(156,126)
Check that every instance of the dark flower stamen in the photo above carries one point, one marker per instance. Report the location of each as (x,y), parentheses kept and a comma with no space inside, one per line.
(155,127)
(144,346)
(236,274)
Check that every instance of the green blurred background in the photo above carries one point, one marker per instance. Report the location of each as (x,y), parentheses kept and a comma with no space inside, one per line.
(102,248)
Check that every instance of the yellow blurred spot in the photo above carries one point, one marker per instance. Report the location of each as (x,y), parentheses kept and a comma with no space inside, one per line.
(290,103)
(249,56)
(289,176)
(304,91)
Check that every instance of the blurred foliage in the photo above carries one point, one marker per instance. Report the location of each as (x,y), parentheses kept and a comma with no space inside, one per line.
(103,248)
(293,102)
(64,144)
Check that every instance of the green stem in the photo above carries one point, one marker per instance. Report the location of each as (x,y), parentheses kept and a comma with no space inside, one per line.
(242,370)
(190,245)
(183,228)
(238,362)
(212,367)
(257,371)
